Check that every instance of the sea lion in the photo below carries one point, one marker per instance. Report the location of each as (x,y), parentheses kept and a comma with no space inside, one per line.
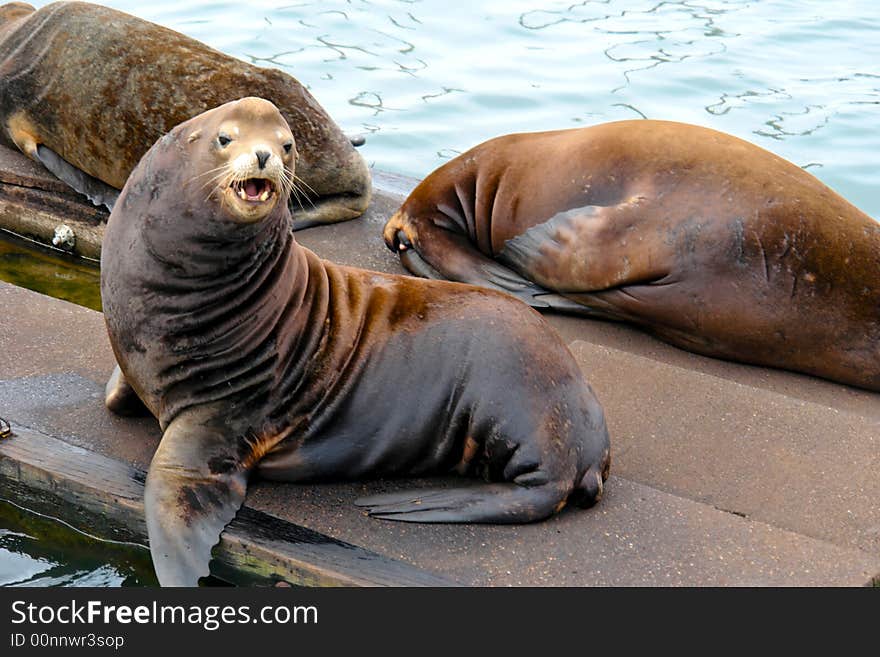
(257,356)
(87,90)
(712,243)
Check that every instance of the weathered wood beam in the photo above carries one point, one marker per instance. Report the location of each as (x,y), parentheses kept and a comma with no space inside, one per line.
(33,203)
(68,482)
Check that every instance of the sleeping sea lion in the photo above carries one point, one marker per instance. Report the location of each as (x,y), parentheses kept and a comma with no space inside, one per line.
(88,89)
(258,357)
(711,243)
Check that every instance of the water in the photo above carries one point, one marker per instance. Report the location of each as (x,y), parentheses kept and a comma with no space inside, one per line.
(424,81)
(55,274)
(36,550)
(427,80)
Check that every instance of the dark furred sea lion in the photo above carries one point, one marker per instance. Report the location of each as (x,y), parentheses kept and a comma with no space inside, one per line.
(711,243)
(86,90)
(257,356)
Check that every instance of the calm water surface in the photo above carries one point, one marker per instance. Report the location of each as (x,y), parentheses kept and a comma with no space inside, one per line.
(37,550)
(424,81)
(427,80)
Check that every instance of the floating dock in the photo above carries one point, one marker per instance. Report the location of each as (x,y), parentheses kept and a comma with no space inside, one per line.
(722,474)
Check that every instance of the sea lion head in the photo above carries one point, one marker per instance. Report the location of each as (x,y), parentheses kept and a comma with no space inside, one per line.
(206,190)
(244,153)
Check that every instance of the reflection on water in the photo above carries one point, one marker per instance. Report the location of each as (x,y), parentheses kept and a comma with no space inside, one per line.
(427,80)
(55,275)
(39,551)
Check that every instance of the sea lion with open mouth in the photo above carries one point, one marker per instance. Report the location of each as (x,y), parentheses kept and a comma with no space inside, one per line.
(258,357)
(88,89)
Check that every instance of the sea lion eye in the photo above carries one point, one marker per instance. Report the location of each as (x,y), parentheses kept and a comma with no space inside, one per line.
(223,139)
(288,146)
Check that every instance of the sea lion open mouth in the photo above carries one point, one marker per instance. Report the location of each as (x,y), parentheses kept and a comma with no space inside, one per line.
(254,190)
(251,199)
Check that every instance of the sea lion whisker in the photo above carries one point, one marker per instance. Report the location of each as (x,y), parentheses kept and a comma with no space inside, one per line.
(289,188)
(309,187)
(304,193)
(216,178)
(205,173)
(211,193)
(297,199)
(284,177)
(223,180)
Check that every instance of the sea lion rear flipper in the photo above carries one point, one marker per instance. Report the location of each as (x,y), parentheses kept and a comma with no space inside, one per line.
(195,486)
(120,398)
(499,503)
(97,191)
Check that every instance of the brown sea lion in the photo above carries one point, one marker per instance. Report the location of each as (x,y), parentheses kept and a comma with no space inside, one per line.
(87,90)
(257,356)
(711,243)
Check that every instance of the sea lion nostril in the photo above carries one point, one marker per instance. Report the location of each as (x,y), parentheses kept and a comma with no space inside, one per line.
(262,158)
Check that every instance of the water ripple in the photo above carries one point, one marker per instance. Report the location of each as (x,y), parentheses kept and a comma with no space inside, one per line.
(426,80)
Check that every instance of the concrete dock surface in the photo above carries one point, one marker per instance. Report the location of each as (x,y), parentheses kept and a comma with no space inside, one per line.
(722,474)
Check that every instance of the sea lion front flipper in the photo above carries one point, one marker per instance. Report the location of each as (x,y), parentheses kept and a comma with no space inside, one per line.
(589,249)
(440,254)
(499,503)
(195,486)
(97,191)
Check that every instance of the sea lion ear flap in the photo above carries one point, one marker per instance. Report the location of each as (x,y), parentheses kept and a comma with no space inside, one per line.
(195,486)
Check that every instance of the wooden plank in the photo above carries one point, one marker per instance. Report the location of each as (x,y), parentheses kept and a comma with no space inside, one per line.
(33,203)
(255,548)
(35,213)
(18,169)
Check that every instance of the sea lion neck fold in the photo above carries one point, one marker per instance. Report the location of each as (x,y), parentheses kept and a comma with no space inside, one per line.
(210,272)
